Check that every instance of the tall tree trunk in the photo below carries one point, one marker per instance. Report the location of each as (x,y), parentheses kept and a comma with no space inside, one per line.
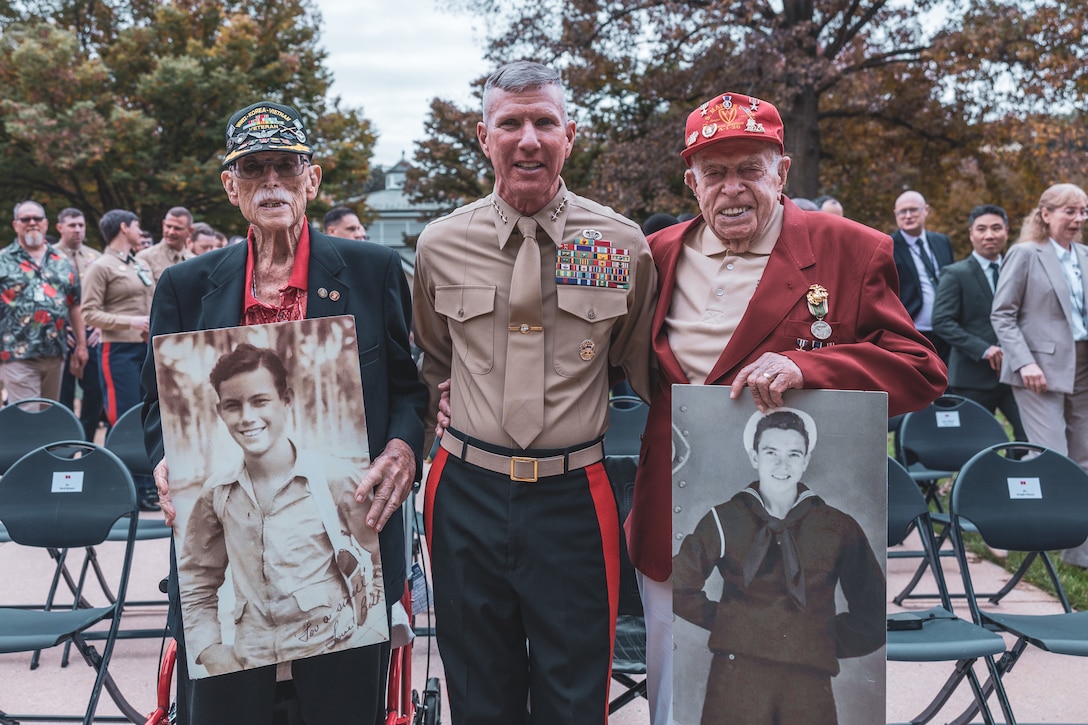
(801,118)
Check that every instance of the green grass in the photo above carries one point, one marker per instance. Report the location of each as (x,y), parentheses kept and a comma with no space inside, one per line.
(1073,578)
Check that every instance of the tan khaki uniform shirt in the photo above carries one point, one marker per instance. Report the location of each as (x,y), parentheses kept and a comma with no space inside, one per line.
(81,258)
(160,256)
(461,313)
(113,293)
(712,292)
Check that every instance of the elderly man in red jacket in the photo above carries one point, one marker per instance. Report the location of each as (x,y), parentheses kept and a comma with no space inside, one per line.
(761,296)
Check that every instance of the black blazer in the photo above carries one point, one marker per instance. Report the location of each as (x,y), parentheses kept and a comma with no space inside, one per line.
(961,317)
(910,287)
(206,292)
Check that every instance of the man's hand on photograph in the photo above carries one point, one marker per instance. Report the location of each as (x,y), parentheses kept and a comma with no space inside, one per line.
(444,410)
(390,476)
(768,377)
(162,485)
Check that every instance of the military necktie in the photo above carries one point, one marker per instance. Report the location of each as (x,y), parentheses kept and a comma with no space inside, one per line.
(523,391)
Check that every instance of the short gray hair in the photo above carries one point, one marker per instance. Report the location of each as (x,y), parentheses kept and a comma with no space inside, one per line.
(521,75)
(21,204)
(201,229)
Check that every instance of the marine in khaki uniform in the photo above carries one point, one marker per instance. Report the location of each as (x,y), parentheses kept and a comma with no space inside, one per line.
(524,300)
(72,229)
(171,249)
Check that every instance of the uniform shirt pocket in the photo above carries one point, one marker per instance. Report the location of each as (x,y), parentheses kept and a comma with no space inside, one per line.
(586,316)
(470,312)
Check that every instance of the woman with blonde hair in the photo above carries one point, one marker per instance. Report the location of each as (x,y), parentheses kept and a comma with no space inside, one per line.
(1042,327)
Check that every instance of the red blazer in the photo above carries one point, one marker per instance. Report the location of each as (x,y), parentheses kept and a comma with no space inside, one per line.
(876,346)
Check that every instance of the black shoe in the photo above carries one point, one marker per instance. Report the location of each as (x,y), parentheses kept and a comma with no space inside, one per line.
(149,500)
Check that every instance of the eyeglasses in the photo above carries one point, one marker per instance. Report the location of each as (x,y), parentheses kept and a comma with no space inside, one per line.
(30,219)
(909,211)
(287,165)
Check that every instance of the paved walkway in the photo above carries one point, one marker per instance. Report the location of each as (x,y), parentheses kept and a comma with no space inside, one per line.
(1044,688)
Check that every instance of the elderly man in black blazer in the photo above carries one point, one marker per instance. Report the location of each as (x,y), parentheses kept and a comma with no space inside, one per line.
(961,317)
(919,257)
(288,271)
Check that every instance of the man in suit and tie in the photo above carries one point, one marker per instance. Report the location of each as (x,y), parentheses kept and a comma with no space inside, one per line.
(919,257)
(961,317)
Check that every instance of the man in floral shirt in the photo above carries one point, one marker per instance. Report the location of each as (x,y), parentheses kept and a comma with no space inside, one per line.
(39,297)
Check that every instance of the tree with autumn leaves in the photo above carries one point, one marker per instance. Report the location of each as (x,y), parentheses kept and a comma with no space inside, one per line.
(122,103)
(976,102)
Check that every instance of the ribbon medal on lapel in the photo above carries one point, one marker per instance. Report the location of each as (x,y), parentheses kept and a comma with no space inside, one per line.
(817,304)
(590,261)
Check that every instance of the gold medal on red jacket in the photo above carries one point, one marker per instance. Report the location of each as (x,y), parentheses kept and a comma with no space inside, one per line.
(817,304)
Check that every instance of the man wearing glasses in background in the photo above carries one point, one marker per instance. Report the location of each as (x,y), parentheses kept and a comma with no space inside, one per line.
(919,257)
(39,303)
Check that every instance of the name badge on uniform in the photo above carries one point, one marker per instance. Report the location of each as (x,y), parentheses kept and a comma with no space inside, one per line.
(590,261)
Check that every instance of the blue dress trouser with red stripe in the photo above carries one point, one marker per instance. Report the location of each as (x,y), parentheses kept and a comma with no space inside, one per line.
(526,583)
(119,366)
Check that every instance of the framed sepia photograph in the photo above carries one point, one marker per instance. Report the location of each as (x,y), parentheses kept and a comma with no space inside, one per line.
(779,557)
(265,439)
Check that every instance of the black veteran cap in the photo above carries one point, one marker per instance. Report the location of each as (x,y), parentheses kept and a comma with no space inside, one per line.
(266,126)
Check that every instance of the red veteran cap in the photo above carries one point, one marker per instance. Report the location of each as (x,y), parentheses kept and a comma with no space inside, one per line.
(729,116)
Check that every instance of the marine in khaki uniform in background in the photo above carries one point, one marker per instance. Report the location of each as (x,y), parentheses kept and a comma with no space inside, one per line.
(525,299)
(171,249)
(72,229)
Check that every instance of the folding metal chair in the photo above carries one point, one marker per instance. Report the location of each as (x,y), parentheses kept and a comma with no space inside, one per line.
(125,440)
(33,423)
(1035,504)
(626,421)
(629,651)
(25,426)
(933,444)
(68,495)
(933,635)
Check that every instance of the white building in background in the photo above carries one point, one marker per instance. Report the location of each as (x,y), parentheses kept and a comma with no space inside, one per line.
(397,216)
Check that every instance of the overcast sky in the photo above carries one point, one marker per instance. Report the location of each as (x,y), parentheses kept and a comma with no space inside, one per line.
(392,57)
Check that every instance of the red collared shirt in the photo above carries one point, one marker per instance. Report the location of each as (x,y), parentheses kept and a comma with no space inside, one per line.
(292,304)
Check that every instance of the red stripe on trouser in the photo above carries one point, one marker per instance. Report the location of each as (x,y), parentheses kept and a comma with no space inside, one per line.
(111,388)
(604,500)
(428,494)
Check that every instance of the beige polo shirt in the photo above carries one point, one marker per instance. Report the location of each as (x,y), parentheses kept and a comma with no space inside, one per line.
(461,301)
(712,292)
(113,293)
(160,256)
